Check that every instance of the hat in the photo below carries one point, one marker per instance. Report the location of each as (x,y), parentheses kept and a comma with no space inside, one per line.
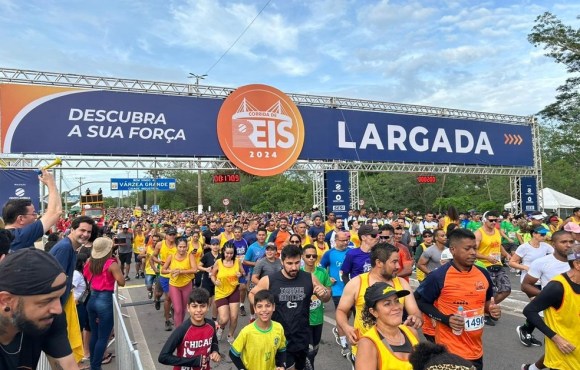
(554,218)
(29,271)
(446,255)
(381,290)
(315,206)
(573,255)
(271,246)
(538,217)
(125,226)
(427,233)
(101,247)
(171,231)
(419,217)
(367,230)
(571,227)
(541,230)
(214,241)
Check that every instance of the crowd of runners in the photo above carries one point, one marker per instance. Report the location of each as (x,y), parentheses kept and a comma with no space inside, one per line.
(394,278)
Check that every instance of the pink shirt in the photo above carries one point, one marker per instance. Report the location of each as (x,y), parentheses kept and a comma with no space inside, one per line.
(105,281)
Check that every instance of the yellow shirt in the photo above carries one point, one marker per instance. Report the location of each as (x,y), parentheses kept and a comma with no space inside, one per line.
(320,252)
(421,274)
(227,278)
(148,268)
(199,252)
(360,302)
(138,242)
(564,321)
(181,279)
(328,227)
(354,238)
(258,347)
(490,246)
(164,252)
(386,358)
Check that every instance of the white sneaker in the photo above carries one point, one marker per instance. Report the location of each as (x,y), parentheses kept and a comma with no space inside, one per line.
(219,333)
(336,336)
(345,351)
(230,339)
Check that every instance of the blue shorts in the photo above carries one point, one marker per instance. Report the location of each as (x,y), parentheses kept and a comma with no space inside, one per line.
(164,283)
(137,258)
(243,280)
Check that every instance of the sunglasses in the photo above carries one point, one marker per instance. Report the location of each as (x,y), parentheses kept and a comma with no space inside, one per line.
(373,235)
(295,241)
(385,237)
(492,220)
(310,256)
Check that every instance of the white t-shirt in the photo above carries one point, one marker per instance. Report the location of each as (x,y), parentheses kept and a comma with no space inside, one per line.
(78,283)
(529,254)
(545,268)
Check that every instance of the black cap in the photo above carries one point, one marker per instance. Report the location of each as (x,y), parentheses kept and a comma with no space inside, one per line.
(427,233)
(381,290)
(214,241)
(29,272)
(271,246)
(367,230)
(171,231)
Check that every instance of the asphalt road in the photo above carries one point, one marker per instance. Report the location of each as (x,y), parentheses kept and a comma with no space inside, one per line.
(501,345)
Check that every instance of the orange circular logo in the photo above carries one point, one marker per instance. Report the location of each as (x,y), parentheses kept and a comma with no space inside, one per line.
(260,130)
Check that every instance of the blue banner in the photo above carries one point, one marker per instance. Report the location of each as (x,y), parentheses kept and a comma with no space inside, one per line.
(94,122)
(337,193)
(529,191)
(19,184)
(143,184)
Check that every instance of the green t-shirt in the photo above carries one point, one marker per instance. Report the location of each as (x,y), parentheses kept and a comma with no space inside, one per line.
(474,225)
(510,230)
(316,305)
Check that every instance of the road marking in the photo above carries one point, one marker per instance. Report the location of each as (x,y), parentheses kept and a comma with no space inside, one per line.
(139,337)
(132,286)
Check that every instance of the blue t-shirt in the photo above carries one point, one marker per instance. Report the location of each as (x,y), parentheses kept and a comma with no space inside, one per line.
(254,253)
(26,236)
(315,230)
(356,262)
(241,249)
(332,260)
(250,236)
(66,256)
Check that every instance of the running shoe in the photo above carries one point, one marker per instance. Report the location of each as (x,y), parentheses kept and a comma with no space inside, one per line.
(534,341)
(127,278)
(168,325)
(150,294)
(219,333)
(243,311)
(526,366)
(157,304)
(230,339)
(137,276)
(345,351)
(524,336)
(142,275)
(336,336)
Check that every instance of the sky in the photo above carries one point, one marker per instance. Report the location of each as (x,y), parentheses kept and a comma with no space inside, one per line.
(462,54)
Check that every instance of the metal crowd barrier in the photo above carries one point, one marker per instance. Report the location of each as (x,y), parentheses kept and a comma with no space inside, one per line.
(127,357)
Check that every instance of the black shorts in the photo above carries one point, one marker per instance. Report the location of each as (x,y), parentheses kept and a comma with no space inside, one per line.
(125,258)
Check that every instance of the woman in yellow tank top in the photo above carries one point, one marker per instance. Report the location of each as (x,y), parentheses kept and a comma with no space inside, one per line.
(388,343)
(225,275)
(182,268)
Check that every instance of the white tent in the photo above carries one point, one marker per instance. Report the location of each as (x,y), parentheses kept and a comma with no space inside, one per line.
(554,201)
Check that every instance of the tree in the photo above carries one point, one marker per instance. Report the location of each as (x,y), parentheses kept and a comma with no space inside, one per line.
(562,43)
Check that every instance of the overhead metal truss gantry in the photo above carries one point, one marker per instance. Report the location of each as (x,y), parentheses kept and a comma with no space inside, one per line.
(20,76)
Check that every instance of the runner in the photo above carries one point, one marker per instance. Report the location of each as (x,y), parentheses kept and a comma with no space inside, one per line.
(489,252)
(316,306)
(560,302)
(255,252)
(384,260)
(357,260)
(521,260)
(225,275)
(293,290)
(162,251)
(459,281)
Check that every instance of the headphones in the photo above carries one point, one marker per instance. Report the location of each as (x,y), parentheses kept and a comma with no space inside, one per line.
(485,216)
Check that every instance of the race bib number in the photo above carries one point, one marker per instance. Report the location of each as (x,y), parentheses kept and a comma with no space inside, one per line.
(314,303)
(474,319)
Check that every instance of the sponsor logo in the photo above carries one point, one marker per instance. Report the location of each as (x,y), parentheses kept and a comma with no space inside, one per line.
(260,130)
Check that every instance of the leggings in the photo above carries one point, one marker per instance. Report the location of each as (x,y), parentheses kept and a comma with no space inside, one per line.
(179,299)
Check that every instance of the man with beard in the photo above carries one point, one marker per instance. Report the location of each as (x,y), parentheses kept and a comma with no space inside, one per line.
(293,289)
(384,260)
(31,319)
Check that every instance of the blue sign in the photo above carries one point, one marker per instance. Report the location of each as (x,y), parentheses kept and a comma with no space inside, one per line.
(143,184)
(94,122)
(529,191)
(155,208)
(337,193)
(19,184)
